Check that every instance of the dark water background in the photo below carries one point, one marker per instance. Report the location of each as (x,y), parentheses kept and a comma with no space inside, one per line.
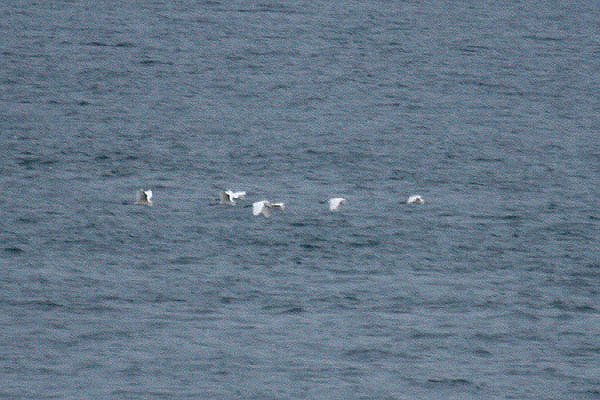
(487,109)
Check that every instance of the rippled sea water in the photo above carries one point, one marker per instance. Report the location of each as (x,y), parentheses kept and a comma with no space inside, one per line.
(488,110)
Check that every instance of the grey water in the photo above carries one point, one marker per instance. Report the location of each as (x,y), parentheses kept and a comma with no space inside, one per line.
(489,110)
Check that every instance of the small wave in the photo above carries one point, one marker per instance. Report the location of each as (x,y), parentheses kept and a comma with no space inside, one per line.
(452,382)
(95,44)
(473,49)
(298,224)
(185,260)
(485,159)
(543,38)
(155,62)
(169,299)
(567,307)
(368,355)
(482,352)
(227,299)
(430,335)
(13,250)
(507,217)
(104,335)
(28,220)
(489,85)
(102,44)
(285,308)
(31,162)
(310,246)
(293,310)
(102,157)
(41,303)
(519,314)
(366,243)
(492,337)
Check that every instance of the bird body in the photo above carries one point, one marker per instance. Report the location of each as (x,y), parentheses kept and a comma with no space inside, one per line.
(415,199)
(336,202)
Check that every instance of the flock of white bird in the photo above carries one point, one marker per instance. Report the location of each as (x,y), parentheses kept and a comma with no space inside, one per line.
(229,197)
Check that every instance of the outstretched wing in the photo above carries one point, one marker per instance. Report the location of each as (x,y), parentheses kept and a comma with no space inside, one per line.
(238,195)
(258,207)
(140,196)
(266,212)
(148,194)
(224,196)
(281,206)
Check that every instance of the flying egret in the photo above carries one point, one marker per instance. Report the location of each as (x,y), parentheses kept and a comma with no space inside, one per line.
(143,197)
(229,197)
(263,207)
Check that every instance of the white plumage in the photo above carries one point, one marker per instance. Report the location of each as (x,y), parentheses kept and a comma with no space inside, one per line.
(263,207)
(143,197)
(415,199)
(335,203)
(229,197)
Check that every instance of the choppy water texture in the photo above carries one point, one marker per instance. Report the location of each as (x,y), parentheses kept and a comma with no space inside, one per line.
(488,110)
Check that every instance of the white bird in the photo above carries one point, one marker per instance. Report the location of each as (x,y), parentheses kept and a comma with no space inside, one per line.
(415,199)
(143,197)
(229,197)
(336,202)
(263,207)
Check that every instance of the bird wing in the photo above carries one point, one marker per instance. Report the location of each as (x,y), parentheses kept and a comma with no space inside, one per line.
(140,196)
(148,194)
(281,206)
(238,195)
(226,197)
(335,203)
(258,207)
